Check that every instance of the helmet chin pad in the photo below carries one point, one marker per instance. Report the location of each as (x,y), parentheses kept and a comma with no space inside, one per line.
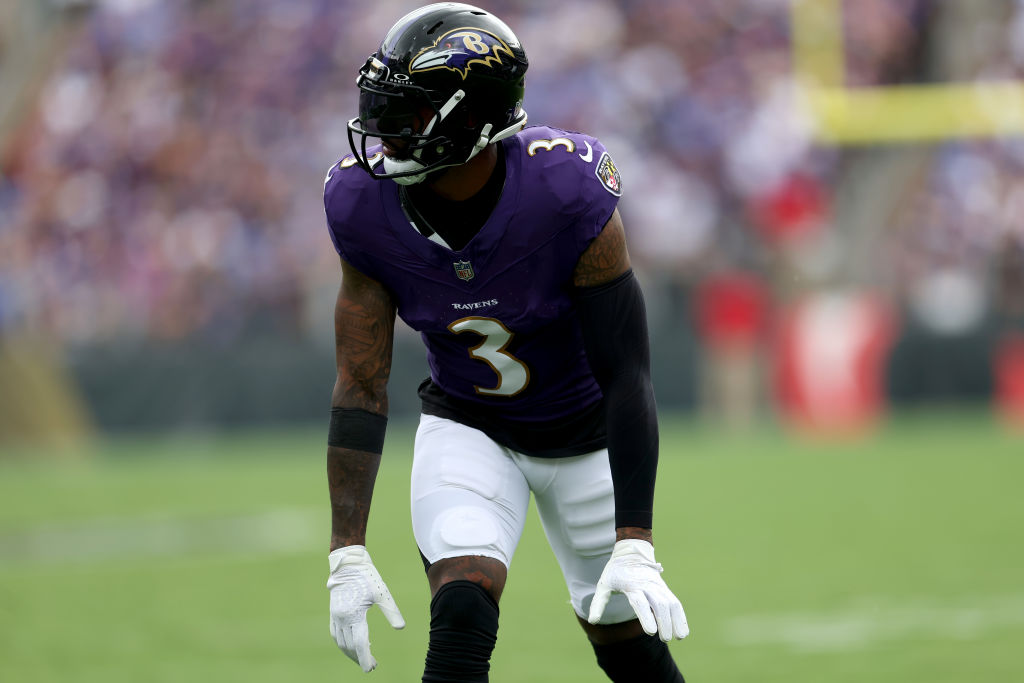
(393,166)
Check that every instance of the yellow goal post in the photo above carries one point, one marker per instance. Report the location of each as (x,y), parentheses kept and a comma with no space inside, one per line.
(919,113)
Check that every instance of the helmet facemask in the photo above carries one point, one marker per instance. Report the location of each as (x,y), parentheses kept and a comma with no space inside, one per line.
(418,131)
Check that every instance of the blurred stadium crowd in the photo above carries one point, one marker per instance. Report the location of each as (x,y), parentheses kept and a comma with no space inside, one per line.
(166,183)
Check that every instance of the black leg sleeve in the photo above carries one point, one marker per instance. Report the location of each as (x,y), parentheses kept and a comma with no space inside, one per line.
(463,630)
(645,659)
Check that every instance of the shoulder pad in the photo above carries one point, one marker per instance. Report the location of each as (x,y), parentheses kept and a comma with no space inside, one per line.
(572,154)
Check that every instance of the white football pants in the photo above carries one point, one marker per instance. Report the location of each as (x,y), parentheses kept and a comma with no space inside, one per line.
(470,496)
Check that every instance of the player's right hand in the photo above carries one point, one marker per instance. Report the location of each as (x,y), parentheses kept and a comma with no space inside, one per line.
(355,585)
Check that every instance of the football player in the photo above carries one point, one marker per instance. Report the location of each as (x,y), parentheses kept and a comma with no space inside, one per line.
(503,247)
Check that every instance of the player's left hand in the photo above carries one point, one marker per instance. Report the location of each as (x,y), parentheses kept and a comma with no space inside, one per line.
(632,570)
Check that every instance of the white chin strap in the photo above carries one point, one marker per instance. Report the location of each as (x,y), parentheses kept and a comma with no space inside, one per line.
(414,164)
(406,165)
(396,166)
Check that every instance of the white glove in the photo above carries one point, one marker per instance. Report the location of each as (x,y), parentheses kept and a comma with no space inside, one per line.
(355,585)
(633,571)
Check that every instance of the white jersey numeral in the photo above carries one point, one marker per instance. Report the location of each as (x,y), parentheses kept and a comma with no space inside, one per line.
(549,145)
(513,375)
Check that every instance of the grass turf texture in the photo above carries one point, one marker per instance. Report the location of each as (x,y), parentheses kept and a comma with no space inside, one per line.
(892,558)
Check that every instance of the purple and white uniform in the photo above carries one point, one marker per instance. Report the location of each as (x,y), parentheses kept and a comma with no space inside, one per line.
(510,386)
(497,317)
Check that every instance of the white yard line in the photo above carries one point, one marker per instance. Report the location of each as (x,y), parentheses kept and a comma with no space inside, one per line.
(276,531)
(878,621)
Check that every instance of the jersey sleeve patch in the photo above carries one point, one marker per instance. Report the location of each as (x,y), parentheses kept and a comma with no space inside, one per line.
(608,174)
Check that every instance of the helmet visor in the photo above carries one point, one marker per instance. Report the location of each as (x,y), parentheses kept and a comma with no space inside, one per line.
(399,118)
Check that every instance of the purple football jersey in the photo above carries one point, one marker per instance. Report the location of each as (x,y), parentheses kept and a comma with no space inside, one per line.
(497,317)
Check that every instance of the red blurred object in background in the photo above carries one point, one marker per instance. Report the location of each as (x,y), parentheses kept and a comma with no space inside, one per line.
(830,363)
(1008,362)
(796,208)
(731,310)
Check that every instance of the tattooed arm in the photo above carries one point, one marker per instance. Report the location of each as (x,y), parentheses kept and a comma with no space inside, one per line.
(606,258)
(614,325)
(364,327)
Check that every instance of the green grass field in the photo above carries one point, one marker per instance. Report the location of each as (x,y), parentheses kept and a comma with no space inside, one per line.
(894,558)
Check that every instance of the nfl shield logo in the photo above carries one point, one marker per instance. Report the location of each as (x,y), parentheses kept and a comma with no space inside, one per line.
(464,269)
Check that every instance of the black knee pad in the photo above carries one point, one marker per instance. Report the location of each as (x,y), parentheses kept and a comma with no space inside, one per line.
(463,629)
(645,658)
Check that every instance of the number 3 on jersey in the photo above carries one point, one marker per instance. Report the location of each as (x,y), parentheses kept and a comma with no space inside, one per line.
(513,375)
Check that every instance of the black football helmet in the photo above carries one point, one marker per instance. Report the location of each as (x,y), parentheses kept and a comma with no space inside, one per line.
(446,82)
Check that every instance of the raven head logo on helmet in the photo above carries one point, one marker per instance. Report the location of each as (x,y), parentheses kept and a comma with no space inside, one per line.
(460,49)
(446,82)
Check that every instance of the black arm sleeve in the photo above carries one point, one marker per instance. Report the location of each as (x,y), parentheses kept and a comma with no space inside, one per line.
(614,323)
